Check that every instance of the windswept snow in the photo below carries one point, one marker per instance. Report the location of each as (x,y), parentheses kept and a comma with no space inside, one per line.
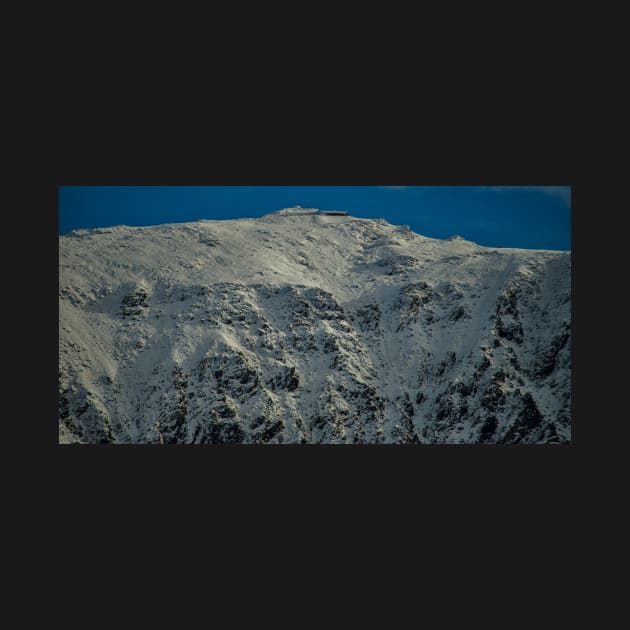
(303,327)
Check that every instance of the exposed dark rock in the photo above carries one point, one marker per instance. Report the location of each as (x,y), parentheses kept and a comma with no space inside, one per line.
(547,362)
(528,419)
(134,303)
(488,429)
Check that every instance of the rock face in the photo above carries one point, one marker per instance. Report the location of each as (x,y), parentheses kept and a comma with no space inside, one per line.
(300,327)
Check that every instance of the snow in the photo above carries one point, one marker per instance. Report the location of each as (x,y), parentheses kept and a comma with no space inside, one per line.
(253,295)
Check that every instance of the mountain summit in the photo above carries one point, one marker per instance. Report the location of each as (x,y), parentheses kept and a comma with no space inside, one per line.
(308,326)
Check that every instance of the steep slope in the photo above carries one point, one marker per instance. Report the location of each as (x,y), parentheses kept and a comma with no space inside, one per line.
(302,327)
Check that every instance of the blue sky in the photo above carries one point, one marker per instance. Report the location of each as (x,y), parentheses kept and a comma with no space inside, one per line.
(537,217)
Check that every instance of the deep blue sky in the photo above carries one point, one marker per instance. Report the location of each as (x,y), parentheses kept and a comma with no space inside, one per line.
(536,217)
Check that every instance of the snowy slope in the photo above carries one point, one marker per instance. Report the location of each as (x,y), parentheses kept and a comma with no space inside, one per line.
(300,327)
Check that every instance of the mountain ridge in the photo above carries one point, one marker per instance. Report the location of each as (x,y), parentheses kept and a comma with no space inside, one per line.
(299,327)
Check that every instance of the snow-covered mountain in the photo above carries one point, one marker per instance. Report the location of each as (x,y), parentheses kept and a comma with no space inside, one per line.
(303,327)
